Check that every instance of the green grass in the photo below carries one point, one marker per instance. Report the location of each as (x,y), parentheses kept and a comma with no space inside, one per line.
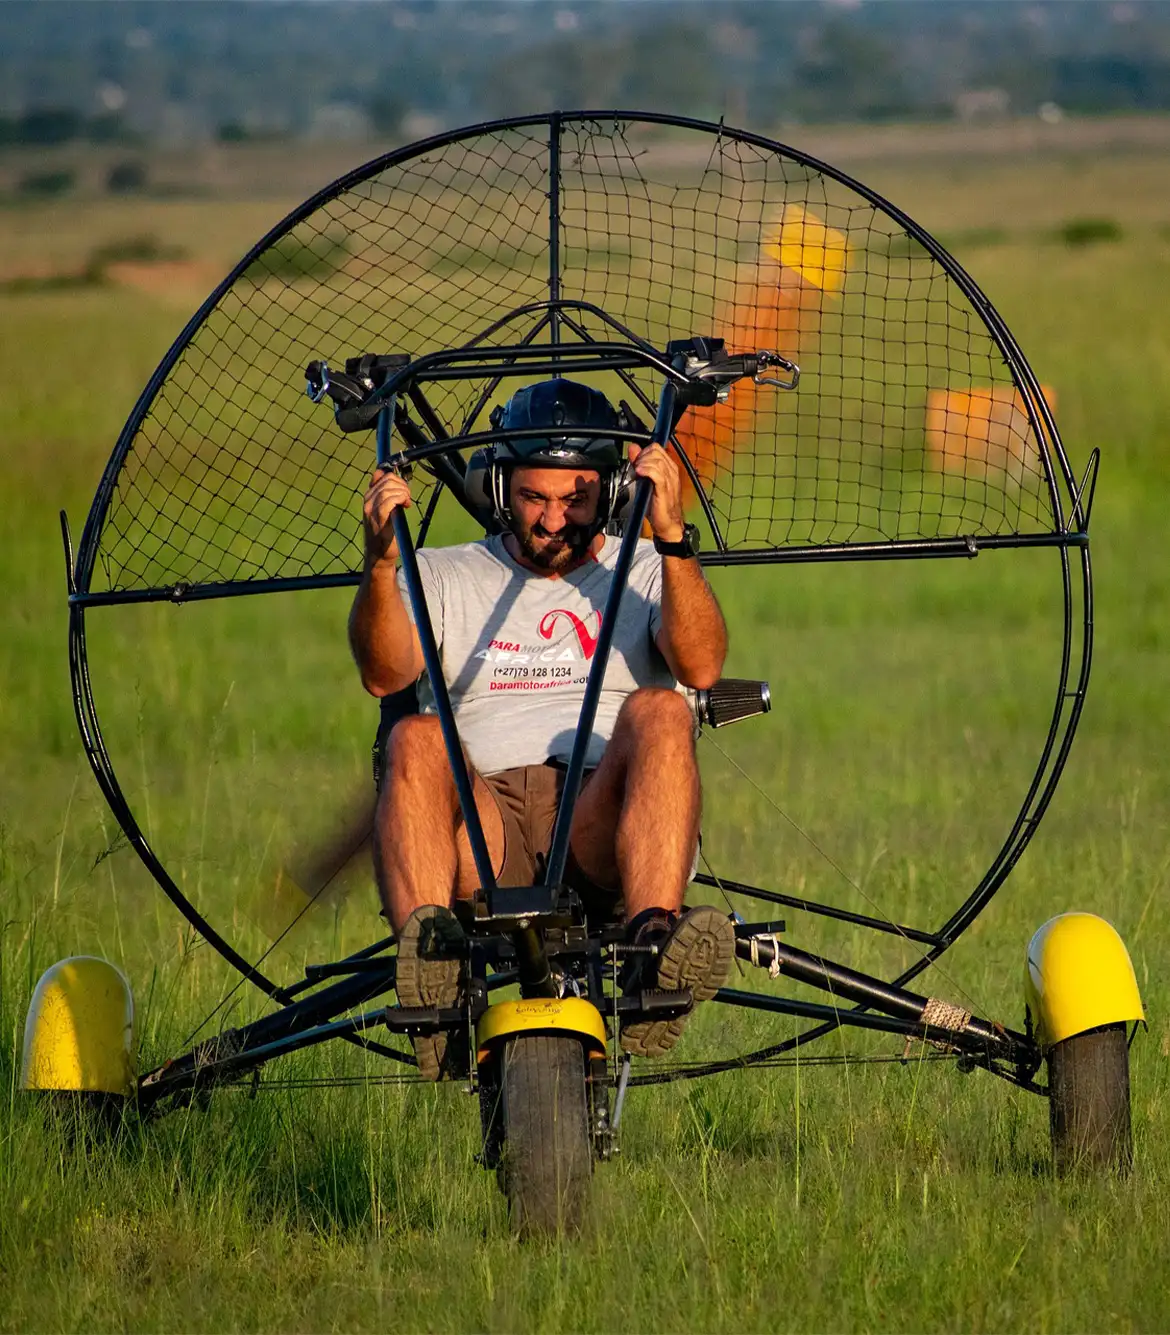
(1088,231)
(909,707)
(294,258)
(142,248)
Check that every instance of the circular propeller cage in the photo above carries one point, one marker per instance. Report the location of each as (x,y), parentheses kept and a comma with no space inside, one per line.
(918,427)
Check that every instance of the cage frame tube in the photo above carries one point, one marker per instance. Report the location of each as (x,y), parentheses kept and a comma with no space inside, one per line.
(1044,782)
(493,383)
(561,306)
(554,225)
(927,548)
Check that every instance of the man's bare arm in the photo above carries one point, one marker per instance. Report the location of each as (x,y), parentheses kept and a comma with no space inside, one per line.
(693,635)
(382,637)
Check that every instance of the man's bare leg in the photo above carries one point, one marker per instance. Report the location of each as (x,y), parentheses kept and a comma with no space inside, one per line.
(637,824)
(637,820)
(423,861)
(422,854)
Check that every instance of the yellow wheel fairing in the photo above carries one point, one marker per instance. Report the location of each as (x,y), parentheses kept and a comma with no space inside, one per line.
(1078,977)
(540,1015)
(79,1034)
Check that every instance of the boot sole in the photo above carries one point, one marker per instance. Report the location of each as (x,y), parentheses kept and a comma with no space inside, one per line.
(426,981)
(699,955)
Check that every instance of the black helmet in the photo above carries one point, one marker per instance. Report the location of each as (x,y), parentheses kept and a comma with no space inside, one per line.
(559,403)
(551,404)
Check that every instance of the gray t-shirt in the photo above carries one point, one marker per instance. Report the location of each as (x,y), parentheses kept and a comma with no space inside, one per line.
(516,647)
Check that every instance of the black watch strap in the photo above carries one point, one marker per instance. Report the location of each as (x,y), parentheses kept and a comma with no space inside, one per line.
(687,547)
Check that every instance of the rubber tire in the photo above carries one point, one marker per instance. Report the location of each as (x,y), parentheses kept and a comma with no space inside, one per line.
(1088,1092)
(547,1152)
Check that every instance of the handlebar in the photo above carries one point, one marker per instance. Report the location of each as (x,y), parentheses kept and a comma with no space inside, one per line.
(702,369)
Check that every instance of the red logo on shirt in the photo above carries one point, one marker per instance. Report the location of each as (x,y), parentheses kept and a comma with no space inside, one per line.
(588,642)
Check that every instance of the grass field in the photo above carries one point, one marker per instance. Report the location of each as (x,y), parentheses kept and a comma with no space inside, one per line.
(910,704)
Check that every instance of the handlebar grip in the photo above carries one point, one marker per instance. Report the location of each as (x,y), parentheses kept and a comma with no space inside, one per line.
(732,699)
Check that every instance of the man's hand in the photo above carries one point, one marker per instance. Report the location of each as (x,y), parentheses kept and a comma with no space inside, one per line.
(665,513)
(388,492)
(383,639)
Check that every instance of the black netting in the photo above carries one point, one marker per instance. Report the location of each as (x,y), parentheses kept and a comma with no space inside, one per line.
(907,422)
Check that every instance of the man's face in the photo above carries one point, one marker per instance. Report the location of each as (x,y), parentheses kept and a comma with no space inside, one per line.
(553,510)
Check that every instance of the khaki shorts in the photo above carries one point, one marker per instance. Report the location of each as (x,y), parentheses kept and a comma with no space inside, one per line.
(527,801)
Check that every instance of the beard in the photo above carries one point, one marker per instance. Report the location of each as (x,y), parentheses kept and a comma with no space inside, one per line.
(552,551)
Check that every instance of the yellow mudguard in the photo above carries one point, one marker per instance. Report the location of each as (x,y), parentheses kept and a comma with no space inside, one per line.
(79,1034)
(540,1015)
(1078,977)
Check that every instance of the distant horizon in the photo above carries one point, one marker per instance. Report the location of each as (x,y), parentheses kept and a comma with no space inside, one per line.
(180,72)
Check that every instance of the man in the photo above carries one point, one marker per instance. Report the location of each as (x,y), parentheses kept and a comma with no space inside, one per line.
(516,618)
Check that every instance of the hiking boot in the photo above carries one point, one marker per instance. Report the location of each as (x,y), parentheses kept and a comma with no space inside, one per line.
(430,950)
(695,951)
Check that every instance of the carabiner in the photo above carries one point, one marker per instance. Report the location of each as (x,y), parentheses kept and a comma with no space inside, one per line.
(775,359)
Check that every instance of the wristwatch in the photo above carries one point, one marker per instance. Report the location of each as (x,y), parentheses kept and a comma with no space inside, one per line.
(686,548)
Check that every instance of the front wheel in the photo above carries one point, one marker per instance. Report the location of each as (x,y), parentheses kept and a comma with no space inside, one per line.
(547,1158)
(1088,1090)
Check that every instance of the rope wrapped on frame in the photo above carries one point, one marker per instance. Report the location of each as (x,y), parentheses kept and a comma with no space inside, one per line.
(940,1014)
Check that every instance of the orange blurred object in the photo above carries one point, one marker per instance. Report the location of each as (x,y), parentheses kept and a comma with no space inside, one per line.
(776,306)
(987,427)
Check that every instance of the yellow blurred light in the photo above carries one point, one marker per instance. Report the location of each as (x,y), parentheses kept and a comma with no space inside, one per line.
(805,244)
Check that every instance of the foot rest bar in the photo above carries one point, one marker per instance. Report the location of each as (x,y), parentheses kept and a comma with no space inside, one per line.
(419,1020)
(346,968)
(655,1004)
(746,930)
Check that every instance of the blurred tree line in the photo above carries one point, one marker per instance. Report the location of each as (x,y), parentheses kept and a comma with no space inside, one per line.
(181,70)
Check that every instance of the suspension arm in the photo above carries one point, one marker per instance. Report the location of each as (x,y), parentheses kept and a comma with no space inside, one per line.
(897,1002)
(300,1024)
